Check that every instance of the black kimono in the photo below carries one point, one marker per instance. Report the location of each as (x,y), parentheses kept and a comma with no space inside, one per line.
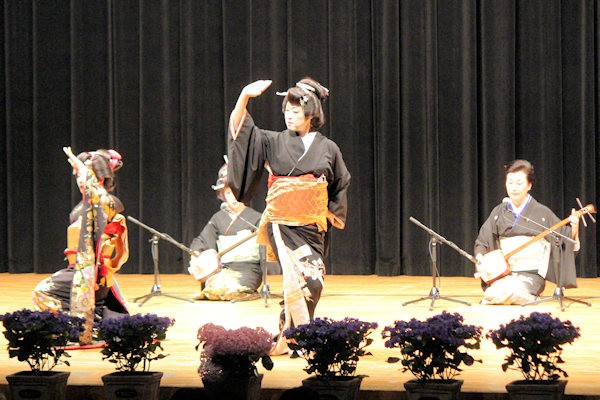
(242,273)
(502,223)
(301,248)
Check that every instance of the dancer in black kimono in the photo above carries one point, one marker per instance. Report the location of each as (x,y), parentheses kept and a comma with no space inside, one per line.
(308,184)
(512,224)
(236,273)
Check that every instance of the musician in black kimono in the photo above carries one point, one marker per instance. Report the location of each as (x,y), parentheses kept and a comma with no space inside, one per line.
(235,273)
(308,184)
(512,224)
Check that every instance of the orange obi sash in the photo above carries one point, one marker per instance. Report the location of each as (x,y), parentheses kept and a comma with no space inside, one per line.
(295,201)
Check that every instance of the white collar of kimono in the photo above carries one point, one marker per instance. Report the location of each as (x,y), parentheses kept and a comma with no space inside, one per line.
(307,141)
(519,210)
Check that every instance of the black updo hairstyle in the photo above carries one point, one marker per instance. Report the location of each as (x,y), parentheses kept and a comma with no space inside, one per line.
(309,94)
(520,165)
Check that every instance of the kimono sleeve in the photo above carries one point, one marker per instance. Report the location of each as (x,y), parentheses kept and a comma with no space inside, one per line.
(207,238)
(246,149)
(488,234)
(338,187)
(562,268)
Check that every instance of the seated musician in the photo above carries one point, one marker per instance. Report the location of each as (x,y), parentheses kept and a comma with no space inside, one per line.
(509,226)
(237,272)
(97,246)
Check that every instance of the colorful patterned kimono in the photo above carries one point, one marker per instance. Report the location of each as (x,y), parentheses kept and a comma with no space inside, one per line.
(97,248)
(535,263)
(310,197)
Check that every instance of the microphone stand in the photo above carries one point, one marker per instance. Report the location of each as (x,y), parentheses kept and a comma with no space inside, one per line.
(156,290)
(265,290)
(434,293)
(559,291)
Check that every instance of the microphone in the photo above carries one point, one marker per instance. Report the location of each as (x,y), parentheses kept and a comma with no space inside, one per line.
(506,204)
(224,206)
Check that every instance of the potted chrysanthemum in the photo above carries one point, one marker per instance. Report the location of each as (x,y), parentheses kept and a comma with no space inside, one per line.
(332,349)
(535,343)
(38,338)
(228,360)
(132,342)
(433,350)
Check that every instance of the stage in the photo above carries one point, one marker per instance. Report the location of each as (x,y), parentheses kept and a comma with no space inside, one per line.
(371,298)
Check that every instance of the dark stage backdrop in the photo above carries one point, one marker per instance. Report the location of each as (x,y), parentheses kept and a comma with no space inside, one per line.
(429,99)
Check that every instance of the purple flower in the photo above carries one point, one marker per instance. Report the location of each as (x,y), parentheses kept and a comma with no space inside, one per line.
(133,340)
(242,341)
(232,352)
(331,348)
(38,337)
(535,344)
(434,348)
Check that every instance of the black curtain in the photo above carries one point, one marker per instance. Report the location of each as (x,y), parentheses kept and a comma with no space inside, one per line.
(429,99)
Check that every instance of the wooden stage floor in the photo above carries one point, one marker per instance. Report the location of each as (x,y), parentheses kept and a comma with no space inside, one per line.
(371,298)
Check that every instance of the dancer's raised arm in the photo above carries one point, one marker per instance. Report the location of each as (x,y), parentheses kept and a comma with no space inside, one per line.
(75,162)
(253,89)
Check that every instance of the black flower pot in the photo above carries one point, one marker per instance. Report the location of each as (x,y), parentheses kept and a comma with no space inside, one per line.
(538,390)
(433,389)
(234,388)
(339,388)
(136,385)
(42,385)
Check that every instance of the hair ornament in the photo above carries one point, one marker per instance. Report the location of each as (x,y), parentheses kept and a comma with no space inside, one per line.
(322,94)
(305,87)
(221,178)
(116,160)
